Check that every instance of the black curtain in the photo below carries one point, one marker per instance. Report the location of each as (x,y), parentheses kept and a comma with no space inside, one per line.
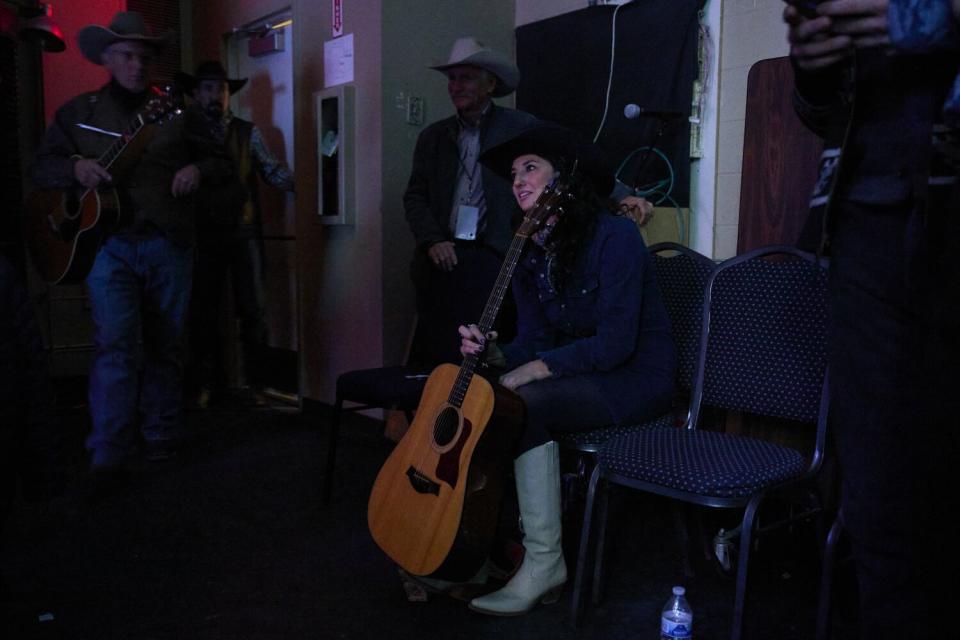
(565,63)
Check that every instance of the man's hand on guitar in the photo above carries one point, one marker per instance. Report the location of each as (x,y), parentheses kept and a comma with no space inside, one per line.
(529,372)
(443,255)
(90,174)
(186,181)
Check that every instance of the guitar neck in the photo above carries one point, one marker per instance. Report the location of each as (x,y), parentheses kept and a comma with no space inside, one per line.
(120,145)
(490,311)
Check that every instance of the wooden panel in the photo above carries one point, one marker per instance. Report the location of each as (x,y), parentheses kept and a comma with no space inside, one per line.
(668,224)
(779,160)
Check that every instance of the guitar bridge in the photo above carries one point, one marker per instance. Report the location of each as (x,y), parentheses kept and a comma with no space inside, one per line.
(421,483)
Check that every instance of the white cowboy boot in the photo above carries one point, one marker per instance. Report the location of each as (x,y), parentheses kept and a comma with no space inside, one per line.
(543,571)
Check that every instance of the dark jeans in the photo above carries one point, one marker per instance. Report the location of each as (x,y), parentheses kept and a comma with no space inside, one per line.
(139,286)
(217,256)
(895,410)
(560,405)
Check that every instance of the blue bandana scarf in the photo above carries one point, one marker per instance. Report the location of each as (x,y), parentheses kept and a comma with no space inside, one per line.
(927,26)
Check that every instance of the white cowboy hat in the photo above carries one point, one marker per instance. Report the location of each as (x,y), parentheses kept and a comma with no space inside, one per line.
(126,25)
(470,51)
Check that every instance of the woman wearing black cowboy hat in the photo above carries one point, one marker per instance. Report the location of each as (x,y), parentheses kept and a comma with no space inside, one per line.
(593,346)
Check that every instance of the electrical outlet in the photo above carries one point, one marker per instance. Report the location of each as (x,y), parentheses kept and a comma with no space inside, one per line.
(414,110)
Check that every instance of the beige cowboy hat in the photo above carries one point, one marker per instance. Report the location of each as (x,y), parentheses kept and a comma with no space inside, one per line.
(470,51)
(126,25)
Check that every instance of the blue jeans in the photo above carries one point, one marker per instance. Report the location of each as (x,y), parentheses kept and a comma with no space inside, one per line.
(139,286)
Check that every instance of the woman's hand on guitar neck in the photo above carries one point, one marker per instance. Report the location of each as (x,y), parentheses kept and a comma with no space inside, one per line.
(472,342)
(90,174)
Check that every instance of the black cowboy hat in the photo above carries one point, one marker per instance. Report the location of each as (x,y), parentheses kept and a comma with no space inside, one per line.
(553,142)
(126,25)
(209,70)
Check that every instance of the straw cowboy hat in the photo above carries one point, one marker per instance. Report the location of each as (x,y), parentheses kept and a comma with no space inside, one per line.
(126,25)
(470,51)
(552,142)
(209,70)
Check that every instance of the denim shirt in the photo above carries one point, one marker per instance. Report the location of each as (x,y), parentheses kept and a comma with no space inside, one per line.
(608,324)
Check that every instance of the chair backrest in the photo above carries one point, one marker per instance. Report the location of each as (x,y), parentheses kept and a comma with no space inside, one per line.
(764,341)
(682,275)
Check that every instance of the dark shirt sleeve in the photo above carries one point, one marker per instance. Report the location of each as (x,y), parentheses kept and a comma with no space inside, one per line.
(821,98)
(269,167)
(417,200)
(53,166)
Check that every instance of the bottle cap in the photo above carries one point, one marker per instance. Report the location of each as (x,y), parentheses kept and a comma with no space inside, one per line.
(679,591)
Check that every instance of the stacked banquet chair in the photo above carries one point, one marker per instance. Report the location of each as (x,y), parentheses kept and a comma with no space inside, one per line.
(682,277)
(763,352)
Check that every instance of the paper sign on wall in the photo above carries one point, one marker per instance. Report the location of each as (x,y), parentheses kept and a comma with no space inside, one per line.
(338,61)
(337,18)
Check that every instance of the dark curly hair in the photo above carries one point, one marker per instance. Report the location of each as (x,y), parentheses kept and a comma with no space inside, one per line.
(576,224)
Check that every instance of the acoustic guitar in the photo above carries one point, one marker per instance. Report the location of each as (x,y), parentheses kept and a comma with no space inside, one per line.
(435,503)
(65,227)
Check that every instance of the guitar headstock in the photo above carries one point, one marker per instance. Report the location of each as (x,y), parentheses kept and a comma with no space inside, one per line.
(160,107)
(550,201)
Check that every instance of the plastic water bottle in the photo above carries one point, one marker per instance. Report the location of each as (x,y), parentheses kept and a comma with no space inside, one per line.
(676,621)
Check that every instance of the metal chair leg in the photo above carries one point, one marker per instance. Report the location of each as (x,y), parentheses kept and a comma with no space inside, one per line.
(746,539)
(679,512)
(575,605)
(600,552)
(826,578)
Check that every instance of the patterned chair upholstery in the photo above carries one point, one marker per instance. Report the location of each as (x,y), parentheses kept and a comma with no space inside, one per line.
(682,276)
(762,351)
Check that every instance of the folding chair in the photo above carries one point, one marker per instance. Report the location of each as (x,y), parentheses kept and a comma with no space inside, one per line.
(682,276)
(762,351)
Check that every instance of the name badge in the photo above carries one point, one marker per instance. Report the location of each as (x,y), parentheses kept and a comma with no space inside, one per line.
(467,217)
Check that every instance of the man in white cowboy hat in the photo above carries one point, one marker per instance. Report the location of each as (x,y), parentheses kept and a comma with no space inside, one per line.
(229,234)
(141,277)
(459,211)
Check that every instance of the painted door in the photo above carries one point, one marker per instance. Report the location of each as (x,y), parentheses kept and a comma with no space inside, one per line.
(267,101)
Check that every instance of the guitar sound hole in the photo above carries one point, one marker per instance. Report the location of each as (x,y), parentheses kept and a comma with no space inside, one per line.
(446,426)
(71,205)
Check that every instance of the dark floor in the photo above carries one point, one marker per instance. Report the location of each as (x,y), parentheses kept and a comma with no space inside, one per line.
(230,540)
